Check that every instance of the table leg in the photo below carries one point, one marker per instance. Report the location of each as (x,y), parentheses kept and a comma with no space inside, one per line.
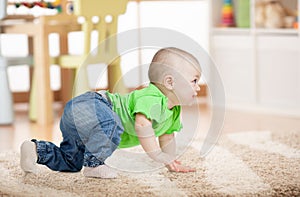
(41,97)
(67,74)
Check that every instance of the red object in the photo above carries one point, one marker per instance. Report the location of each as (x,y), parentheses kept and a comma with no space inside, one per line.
(26,4)
(40,4)
(227,15)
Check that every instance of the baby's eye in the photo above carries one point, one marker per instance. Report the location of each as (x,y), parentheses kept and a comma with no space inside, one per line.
(195,81)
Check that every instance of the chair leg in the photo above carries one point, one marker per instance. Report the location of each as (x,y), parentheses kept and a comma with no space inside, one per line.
(6,101)
(115,81)
(32,101)
(81,84)
(67,83)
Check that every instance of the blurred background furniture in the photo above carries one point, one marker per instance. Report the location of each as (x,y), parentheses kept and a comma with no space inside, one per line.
(100,17)
(6,99)
(39,29)
(41,95)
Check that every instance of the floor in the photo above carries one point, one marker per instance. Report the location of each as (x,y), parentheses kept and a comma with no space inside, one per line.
(235,121)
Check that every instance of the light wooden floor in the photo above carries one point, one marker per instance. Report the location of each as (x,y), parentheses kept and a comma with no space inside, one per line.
(235,121)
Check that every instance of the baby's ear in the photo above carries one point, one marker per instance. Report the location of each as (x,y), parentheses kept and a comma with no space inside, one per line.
(169,82)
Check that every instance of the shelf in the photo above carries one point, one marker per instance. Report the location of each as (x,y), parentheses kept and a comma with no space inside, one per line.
(230,30)
(241,10)
(251,60)
(291,32)
(259,31)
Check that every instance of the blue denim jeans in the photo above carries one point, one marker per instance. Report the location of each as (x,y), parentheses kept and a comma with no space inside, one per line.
(91,133)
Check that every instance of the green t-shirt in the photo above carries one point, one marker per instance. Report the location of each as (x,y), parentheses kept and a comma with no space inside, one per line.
(151,102)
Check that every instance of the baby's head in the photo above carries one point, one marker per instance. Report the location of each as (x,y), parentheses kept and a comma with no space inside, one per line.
(176,73)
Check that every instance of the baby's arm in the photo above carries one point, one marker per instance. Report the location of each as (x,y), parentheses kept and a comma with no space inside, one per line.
(148,141)
(167,143)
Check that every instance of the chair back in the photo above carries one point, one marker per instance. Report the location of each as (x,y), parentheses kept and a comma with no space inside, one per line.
(107,12)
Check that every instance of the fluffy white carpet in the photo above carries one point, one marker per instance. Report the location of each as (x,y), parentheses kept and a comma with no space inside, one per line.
(251,163)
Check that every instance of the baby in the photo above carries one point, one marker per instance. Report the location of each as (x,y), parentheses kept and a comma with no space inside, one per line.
(95,124)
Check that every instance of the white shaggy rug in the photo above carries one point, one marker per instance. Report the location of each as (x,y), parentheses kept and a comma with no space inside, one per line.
(250,163)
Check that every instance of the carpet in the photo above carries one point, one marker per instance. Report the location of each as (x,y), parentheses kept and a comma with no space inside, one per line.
(248,163)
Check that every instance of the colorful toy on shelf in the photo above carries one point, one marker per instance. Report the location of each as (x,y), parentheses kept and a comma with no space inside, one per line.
(227,19)
(43,4)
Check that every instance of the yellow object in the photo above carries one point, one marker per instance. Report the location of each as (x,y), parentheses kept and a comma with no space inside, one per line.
(56,3)
(76,82)
(227,9)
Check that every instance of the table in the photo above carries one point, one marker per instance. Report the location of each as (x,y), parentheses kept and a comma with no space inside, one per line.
(39,29)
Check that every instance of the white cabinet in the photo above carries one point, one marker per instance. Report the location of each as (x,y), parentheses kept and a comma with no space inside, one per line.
(260,67)
(278,59)
(233,56)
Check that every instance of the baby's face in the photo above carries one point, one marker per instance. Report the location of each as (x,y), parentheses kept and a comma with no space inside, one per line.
(186,83)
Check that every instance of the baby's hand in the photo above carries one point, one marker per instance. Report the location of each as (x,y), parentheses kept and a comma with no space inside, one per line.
(176,166)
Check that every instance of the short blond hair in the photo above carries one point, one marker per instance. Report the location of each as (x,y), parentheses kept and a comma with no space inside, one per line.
(163,62)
